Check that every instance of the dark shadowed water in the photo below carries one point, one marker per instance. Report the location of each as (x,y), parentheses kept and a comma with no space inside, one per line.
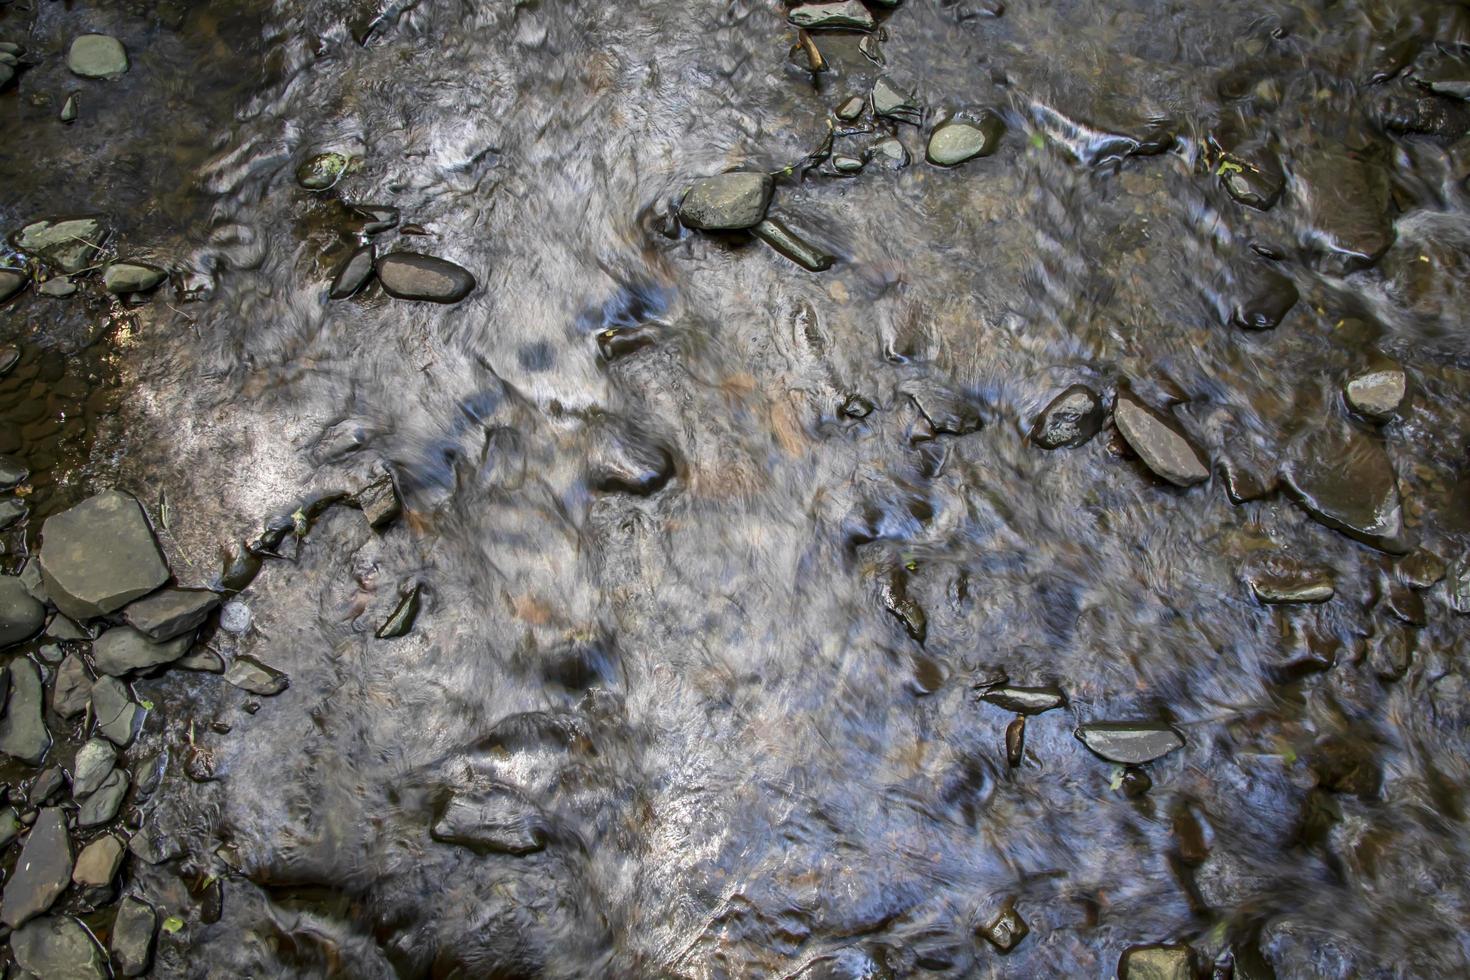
(716,555)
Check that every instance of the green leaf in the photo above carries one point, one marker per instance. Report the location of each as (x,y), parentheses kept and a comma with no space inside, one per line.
(146,703)
(173,924)
(1117,781)
(1229,167)
(1038,141)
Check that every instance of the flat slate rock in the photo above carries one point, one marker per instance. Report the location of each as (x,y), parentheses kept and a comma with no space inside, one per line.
(41,873)
(103,805)
(93,763)
(727,202)
(1159,441)
(71,244)
(122,278)
(169,613)
(1072,418)
(1347,202)
(59,947)
(412,275)
(23,733)
(251,675)
(498,820)
(11,282)
(122,650)
(21,616)
(1345,481)
(1024,700)
(1129,743)
(97,56)
(133,933)
(118,716)
(100,555)
(98,863)
(73,687)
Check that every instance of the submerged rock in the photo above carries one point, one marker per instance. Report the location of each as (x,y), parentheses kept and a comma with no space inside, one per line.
(626,461)
(378,502)
(376,218)
(1347,203)
(1129,743)
(251,675)
(1422,569)
(123,649)
(94,762)
(1457,586)
(1378,391)
(1269,297)
(322,171)
(403,617)
(946,411)
(132,277)
(1160,442)
(1016,742)
(1280,580)
(889,153)
(59,947)
(42,872)
(12,281)
(1155,963)
(1072,418)
(849,14)
(97,56)
(169,613)
(73,687)
(1345,480)
(100,555)
(21,616)
(890,102)
(103,804)
(895,597)
(1255,183)
(23,733)
(118,716)
(413,275)
(133,933)
(727,202)
(785,241)
(354,273)
(69,244)
(498,820)
(1025,700)
(1007,930)
(958,140)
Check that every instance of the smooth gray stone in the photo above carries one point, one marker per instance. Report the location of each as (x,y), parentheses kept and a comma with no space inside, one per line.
(98,863)
(727,202)
(70,244)
(1159,441)
(94,762)
(169,613)
(59,947)
(21,616)
(848,14)
(23,733)
(353,273)
(42,872)
(97,56)
(133,933)
(118,716)
(11,282)
(103,805)
(132,277)
(122,650)
(952,143)
(411,275)
(100,555)
(1129,743)
(251,675)
(1024,700)
(73,687)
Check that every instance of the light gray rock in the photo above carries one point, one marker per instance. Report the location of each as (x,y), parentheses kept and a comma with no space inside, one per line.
(251,675)
(73,687)
(70,244)
(97,56)
(98,863)
(845,14)
(169,613)
(100,555)
(953,142)
(118,716)
(727,202)
(132,277)
(103,805)
(122,650)
(1159,441)
(94,762)
(1377,392)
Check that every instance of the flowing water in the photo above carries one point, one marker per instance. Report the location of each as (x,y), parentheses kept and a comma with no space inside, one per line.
(716,555)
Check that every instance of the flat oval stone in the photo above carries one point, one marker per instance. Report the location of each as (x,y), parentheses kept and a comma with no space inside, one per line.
(847,14)
(123,649)
(1377,392)
(727,202)
(411,275)
(956,141)
(132,277)
(1025,700)
(1159,441)
(1129,743)
(352,274)
(97,56)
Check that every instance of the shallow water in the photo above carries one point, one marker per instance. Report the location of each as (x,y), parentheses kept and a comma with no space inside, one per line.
(668,583)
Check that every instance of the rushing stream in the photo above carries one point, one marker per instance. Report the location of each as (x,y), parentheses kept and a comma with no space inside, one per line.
(1048,561)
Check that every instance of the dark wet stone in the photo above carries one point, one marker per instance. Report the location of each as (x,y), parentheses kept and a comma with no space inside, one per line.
(1025,700)
(856,407)
(1424,115)
(9,358)
(354,273)
(152,846)
(57,287)
(73,687)
(118,716)
(727,202)
(846,14)
(100,555)
(895,597)
(1445,76)
(11,511)
(498,820)
(1155,963)
(1007,931)
(94,762)
(202,659)
(98,863)
(379,502)
(890,102)
(132,277)
(1254,179)
(845,165)
(12,471)
(23,733)
(133,932)
(100,807)
(889,153)
(402,619)
(69,244)
(59,947)
(42,872)
(376,218)
(1129,743)
(1072,418)
(1406,605)
(1421,570)
(170,613)
(1345,480)
(1159,441)
(1378,391)
(1347,204)
(1269,296)
(1016,741)
(1281,580)
(1135,783)
(21,616)
(123,649)
(953,142)
(45,786)
(97,56)
(851,108)
(625,462)
(1245,480)
(785,241)
(1248,963)
(322,171)
(11,282)
(945,411)
(412,275)
(251,675)
(9,826)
